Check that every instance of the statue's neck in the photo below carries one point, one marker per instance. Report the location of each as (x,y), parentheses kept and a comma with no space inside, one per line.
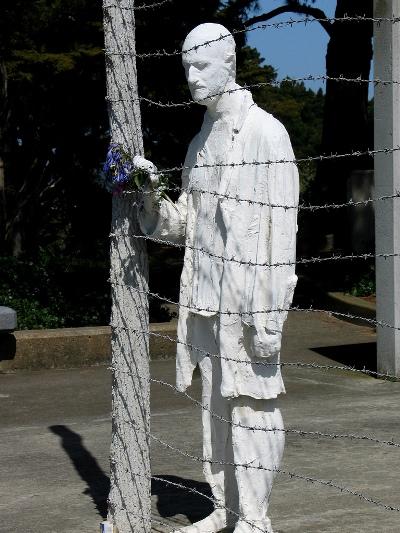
(228,105)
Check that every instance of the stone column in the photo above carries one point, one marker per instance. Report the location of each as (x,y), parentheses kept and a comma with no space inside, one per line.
(387,182)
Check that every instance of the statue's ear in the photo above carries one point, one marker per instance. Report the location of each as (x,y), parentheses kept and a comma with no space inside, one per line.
(231,60)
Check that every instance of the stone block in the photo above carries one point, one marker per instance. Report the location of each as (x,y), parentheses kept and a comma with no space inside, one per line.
(74,347)
(8,319)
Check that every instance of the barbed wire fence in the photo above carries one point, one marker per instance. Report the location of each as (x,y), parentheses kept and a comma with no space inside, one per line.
(131,293)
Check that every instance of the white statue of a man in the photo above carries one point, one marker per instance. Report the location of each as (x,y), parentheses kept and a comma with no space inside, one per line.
(225,304)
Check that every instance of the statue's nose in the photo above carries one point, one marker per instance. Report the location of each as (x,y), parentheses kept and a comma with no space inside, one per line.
(192,76)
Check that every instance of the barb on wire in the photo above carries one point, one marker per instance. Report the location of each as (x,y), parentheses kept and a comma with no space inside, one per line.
(224,259)
(251,465)
(291,22)
(140,7)
(259,362)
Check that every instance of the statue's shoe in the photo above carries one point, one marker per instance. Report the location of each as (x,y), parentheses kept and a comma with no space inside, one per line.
(253,526)
(216,521)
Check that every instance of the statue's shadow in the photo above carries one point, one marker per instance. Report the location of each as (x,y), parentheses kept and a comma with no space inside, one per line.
(171,499)
(183,500)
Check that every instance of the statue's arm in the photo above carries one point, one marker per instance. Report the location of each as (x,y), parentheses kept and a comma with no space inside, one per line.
(161,218)
(275,285)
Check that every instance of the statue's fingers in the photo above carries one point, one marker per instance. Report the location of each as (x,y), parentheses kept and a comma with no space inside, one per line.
(144,164)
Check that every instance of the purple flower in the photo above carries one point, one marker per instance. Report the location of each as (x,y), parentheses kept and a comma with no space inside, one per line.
(113,159)
(128,167)
(119,171)
(121,176)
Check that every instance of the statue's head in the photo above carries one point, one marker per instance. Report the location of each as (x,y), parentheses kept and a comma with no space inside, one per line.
(211,67)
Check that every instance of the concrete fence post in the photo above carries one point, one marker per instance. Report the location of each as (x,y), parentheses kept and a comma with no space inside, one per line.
(129,499)
(387,182)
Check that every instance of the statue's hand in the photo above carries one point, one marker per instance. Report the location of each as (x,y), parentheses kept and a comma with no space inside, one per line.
(265,343)
(140,163)
(150,202)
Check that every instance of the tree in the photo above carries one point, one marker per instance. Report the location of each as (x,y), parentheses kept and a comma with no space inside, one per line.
(56,120)
(345,124)
(54,134)
(130,475)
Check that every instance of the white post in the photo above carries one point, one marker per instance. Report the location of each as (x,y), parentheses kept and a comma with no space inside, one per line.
(387,182)
(129,499)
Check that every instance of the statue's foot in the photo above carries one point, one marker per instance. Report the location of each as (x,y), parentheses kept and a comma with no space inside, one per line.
(216,521)
(253,526)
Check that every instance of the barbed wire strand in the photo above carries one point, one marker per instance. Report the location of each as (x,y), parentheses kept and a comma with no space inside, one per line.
(299,432)
(216,503)
(329,312)
(213,500)
(224,259)
(252,466)
(189,489)
(277,25)
(278,84)
(292,475)
(328,157)
(257,362)
(299,207)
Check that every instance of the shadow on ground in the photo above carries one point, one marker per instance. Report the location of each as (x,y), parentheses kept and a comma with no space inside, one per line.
(171,499)
(174,500)
(356,355)
(98,483)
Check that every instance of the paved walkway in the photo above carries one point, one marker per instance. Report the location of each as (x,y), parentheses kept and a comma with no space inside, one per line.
(55,434)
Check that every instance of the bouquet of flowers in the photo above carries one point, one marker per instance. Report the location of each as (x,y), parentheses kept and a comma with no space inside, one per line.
(120,174)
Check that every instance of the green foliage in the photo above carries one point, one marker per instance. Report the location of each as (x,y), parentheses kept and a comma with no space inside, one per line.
(53,292)
(301,111)
(25,286)
(56,125)
(54,135)
(362,283)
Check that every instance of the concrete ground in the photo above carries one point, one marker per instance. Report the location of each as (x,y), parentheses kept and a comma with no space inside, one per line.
(55,436)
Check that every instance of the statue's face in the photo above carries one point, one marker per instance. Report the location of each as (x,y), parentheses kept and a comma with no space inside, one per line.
(207,73)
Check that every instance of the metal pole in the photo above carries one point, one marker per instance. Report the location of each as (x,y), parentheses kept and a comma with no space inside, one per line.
(129,499)
(387,181)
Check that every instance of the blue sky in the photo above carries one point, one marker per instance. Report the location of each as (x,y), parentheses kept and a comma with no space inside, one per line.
(295,51)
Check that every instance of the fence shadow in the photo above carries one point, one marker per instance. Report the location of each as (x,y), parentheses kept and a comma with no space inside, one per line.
(98,483)
(356,355)
(173,500)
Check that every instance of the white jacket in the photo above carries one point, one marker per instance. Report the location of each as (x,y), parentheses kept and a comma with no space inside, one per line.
(255,233)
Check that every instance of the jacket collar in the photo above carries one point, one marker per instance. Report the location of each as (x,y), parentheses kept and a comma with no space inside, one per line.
(246,103)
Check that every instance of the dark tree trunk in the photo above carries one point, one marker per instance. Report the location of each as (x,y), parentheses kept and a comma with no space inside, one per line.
(345,125)
(3,122)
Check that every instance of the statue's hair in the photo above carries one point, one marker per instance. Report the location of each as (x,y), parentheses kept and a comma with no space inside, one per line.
(208,32)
